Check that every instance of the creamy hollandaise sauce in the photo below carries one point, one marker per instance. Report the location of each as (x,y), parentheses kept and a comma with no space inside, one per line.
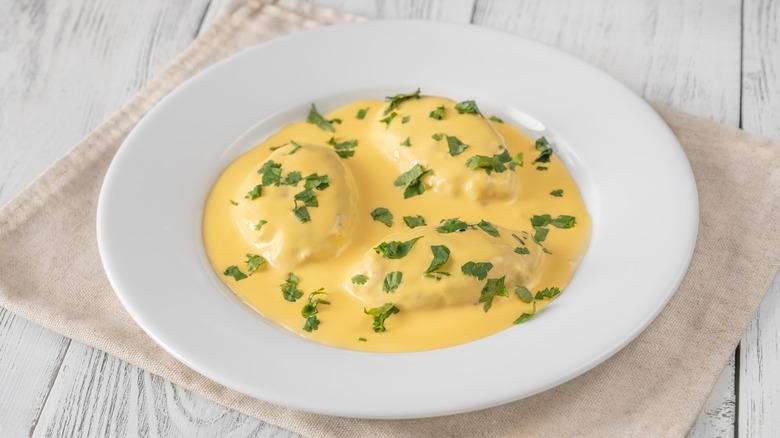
(409,224)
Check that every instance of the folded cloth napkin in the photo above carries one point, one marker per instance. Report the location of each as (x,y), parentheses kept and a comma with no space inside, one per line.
(51,274)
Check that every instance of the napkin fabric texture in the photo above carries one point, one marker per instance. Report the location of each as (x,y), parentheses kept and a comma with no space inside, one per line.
(51,274)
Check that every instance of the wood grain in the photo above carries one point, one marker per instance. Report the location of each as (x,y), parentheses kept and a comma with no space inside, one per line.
(759,389)
(682,53)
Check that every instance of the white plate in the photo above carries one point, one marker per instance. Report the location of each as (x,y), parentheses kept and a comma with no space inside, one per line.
(634,177)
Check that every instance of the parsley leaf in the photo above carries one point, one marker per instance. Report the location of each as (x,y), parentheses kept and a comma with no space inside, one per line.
(411,181)
(361,114)
(525,316)
(438,136)
(309,310)
(541,234)
(522,250)
(312,323)
(395,249)
(398,98)
(557,192)
(272,173)
(452,225)
(477,269)
(490,164)
(541,220)
(307,197)
(302,213)
(315,181)
(496,119)
(493,287)
(383,215)
(292,178)
(438,113)
(405,119)
(260,224)
(295,148)
(289,288)
(455,145)
(406,142)
(381,314)
(345,148)
(564,221)
(255,192)
(392,280)
(359,279)
(233,202)
(468,107)
(414,221)
(316,118)
(389,119)
(541,167)
(550,292)
(488,228)
(233,271)
(440,256)
(253,262)
(545,151)
(524,294)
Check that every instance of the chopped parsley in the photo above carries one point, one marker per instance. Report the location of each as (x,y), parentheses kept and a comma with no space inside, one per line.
(302,213)
(550,293)
(253,262)
(309,310)
(438,113)
(524,294)
(488,228)
(496,119)
(405,119)
(361,114)
(398,98)
(260,224)
(557,192)
(255,192)
(545,151)
(362,339)
(389,119)
(562,221)
(476,269)
(392,280)
(468,107)
(496,163)
(383,215)
(381,314)
(272,173)
(307,197)
(411,181)
(494,287)
(316,118)
(292,178)
(359,279)
(407,142)
(438,136)
(395,249)
(522,250)
(295,148)
(233,202)
(541,167)
(344,149)
(440,256)
(315,181)
(452,225)
(273,148)
(233,271)
(541,234)
(414,221)
(455,145)
(525,316)
(289,288)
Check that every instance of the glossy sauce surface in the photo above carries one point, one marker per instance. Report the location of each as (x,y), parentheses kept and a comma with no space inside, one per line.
(339,240)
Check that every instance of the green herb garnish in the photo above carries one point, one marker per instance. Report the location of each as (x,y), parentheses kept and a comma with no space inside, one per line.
(541,234)
(525,316)
(452,225)
(380,314)
(395,249)
(438,113)
(496,163)
(309,310)
(255,192)
(496,119)
(440,256)
(345,148)
(362,339)
(411,181)
(359,279)
(550,293)
(253,262)
(468,107)
(392,280)
(302,213)
(295,148)
(260,224)
(233,202)
(233,271)
(477,269)
(558,193)
(289,288)
(524,294)
(541,167)
(383,215)
(315,181)
(316,118)
(438,136)
(292,178)
(522,250)
(361,114)
(545,151)
(307,197)
(455,146)
(407,142)
(398,98)
(414,221)
(405,119)
(494,287)
(389,119)
(272,173)
(488,228)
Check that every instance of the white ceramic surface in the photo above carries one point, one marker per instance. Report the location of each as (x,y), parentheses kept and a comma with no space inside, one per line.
(634,177)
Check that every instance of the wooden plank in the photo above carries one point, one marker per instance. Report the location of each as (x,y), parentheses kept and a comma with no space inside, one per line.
(682,53)
(759,379)
(458,11)
(97,395)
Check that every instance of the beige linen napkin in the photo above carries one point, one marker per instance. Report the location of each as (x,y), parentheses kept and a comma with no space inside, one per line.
(50,273)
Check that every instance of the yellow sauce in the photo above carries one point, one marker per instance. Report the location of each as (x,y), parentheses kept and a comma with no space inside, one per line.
(339,240)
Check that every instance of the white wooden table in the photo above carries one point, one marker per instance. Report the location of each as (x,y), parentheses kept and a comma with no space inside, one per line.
(67,65)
